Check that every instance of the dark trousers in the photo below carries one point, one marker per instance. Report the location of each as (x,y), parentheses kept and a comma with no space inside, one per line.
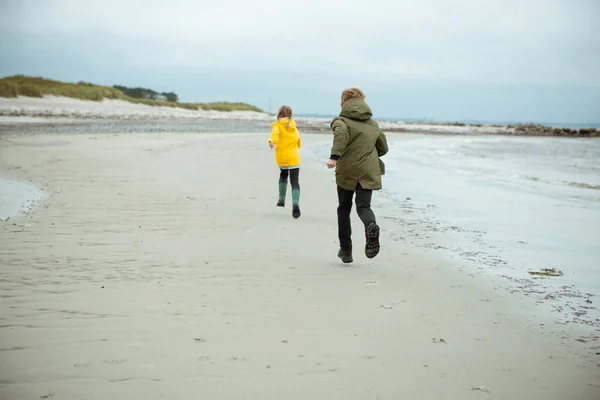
(293,175)
(363,209)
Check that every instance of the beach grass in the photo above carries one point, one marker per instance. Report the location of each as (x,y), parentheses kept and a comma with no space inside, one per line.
(21,85)
(228,106)
(8,89)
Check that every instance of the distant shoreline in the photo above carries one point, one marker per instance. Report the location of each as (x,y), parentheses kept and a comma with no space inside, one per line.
(477,123)
(52,110)
(50,107)
(38,97)
(38,87)
(458,128)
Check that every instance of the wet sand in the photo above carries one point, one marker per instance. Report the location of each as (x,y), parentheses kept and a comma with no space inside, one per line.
(158,266)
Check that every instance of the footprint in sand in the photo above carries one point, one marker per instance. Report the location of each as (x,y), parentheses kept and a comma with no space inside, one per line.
(555,357)
(114,362)
(482,388)
(120,380)
(505,369)
(238,359)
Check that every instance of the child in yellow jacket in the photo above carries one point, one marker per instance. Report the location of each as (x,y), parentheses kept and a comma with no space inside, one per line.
(285,138)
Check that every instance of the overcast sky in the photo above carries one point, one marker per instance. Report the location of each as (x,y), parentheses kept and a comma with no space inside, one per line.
(495,60)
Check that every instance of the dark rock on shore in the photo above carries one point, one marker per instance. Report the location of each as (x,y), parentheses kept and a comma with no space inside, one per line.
(541,130)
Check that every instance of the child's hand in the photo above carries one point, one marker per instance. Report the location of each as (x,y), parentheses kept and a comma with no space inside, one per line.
(331,163)
(271,145)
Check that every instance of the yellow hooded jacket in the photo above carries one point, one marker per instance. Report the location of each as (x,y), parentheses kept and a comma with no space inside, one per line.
(285,136)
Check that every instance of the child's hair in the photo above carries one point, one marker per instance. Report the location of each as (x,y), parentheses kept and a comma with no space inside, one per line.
(353,93)
(284,112)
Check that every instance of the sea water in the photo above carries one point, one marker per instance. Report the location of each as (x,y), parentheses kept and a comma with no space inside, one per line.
(16,198)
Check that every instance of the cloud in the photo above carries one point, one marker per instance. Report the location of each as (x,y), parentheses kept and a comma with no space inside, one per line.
(380,44)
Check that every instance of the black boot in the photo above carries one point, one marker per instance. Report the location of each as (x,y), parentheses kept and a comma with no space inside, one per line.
(345,254)
(372,236)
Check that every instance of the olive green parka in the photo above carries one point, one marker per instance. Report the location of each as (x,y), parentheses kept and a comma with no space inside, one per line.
(358,142)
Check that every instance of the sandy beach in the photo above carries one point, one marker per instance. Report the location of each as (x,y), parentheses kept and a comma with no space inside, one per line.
(66,107)
(157,266)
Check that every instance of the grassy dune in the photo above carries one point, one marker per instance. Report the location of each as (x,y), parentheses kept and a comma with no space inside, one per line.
(20,85)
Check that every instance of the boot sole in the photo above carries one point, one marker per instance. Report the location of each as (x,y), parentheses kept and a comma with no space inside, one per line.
(372,245)
(346,260)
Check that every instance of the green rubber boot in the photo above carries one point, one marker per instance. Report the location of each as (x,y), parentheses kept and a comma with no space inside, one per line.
(282,193)
(296,203)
